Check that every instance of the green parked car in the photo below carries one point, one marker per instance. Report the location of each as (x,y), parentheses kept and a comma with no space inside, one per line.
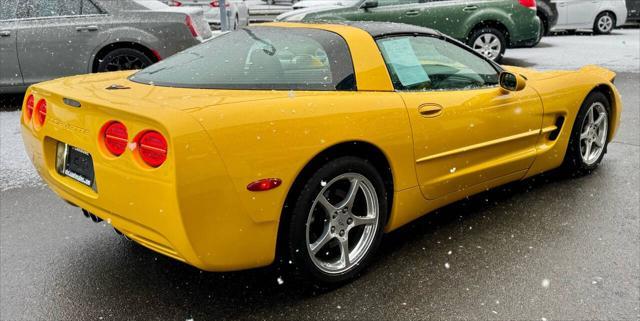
(488,26)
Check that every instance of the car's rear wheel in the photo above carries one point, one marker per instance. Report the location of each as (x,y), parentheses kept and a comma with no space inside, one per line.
(337,221)
(604,24)
(123,59)
(589,138)
(489,42)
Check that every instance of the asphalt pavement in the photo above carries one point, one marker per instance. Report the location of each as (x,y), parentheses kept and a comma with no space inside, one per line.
(548,248)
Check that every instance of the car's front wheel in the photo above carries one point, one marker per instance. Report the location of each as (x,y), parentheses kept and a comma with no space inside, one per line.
(604,24)
(489,42)
(337,221)
(589,138)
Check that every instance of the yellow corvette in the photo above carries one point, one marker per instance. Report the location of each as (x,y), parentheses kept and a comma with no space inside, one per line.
(306,142)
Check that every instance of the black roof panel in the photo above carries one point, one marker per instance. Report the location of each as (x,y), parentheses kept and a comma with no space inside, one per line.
(378,29)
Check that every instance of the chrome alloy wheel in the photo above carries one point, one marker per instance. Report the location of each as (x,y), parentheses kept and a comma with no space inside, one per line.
(342,223)
(605,23)
(488,45)
(593,135)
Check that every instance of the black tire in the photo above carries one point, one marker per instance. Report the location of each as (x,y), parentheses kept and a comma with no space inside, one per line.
(544,25)
(604,29)
(123,59)
(481,32)
(296,247)
(574,164)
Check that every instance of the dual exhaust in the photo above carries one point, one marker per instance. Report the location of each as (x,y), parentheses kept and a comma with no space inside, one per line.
(91,216)
(97,219)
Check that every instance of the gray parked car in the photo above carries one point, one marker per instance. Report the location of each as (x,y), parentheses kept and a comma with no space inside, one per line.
(46,39)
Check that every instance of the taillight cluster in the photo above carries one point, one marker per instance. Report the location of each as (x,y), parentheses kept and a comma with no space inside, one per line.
(37,112)
(216,4)
(151,145)
(175,3)
(531,4)
(191,26)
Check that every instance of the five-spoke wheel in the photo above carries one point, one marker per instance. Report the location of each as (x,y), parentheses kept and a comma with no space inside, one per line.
(337,219)
(342,223)
(590,135)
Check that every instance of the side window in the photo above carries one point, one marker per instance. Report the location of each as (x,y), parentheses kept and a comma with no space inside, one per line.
(53,8)
(8,9)
(385,3)
(429,63)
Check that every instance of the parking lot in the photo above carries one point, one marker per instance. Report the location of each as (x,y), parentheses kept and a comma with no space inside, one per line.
(548,248)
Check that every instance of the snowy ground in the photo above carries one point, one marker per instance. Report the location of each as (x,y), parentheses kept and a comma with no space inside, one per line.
(619,51)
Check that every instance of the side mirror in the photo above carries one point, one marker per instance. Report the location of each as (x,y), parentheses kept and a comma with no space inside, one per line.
(369,4)
(512,82)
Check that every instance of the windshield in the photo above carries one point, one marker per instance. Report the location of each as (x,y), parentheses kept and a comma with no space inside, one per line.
(259,58)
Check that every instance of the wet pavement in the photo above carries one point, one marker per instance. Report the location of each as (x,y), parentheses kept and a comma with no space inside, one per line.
(546,248)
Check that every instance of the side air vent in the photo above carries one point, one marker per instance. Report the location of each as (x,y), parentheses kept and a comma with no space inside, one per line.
(554,134)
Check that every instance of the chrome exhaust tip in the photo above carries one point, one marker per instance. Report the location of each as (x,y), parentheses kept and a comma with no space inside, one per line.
(90,215)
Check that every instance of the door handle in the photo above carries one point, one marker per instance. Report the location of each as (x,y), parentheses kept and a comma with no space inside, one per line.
(430,110)
(5,33)
(412,13)
(470,8)
(86,28)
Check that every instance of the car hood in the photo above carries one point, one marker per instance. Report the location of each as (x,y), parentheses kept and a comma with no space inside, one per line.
(536,75)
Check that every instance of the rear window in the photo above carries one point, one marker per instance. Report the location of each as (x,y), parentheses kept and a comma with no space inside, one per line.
(259,58)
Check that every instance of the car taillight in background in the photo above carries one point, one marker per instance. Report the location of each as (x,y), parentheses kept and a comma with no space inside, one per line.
(41,112)
(115,137)
(216,4)
(191,26)
(531,4)
(152,147)
(29,108)
(174,3)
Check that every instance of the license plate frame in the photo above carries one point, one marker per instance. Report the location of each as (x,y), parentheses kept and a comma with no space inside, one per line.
(76,163)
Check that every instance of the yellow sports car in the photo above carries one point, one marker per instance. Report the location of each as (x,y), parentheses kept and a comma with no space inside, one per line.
(303,143)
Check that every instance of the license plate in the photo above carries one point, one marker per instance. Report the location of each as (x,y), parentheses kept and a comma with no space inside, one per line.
(76,163)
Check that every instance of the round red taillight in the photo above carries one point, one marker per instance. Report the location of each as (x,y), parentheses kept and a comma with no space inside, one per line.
(29,108)
(115,137)
(153,148)
(41,112)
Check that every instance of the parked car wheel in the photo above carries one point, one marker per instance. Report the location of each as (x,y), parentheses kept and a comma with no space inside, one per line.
(589,137)
(124,59)
(604,24)
(544,25)
(337,221)
(490,42)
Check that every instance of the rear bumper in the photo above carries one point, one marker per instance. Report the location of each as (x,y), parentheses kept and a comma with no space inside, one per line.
(527,34)
(187,209)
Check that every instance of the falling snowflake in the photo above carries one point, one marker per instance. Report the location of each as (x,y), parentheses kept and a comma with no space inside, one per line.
(453,170)
(545,283)
(280,281)
(447,266)
(323,183)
